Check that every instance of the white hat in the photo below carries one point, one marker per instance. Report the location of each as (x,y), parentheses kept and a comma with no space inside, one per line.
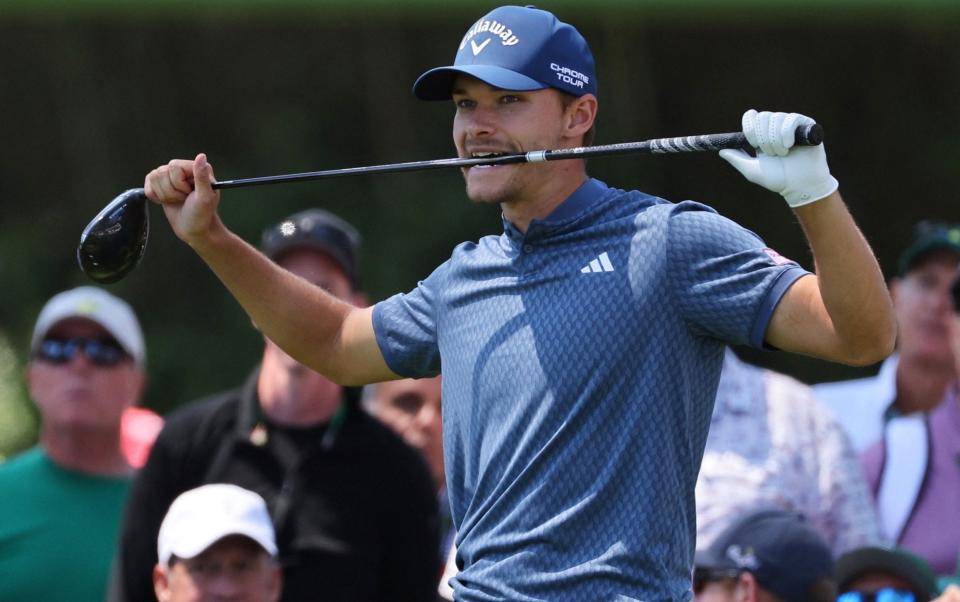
(200,517)
(99,306)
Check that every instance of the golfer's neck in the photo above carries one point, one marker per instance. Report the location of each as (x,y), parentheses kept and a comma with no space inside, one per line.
(549,196)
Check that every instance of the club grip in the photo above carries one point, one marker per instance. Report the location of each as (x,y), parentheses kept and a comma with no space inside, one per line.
(808,135)
(804,135)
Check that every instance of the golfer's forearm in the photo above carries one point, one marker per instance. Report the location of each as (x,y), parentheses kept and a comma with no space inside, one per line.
(851,284)
(311,325)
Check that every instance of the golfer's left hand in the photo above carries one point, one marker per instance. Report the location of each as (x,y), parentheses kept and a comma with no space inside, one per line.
(799,173)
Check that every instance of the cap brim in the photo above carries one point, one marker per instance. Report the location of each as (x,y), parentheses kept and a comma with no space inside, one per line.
(858,562)
(913,256)
(332,251)
(192,547)
(437,84)
(126,339)
(706,559)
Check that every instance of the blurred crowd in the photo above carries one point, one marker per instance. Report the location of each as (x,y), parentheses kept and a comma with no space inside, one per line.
(290,487)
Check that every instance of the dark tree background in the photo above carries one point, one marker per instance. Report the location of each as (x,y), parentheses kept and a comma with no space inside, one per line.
(93,96)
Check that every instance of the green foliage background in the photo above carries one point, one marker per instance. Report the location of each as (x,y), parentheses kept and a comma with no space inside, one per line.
(95,94)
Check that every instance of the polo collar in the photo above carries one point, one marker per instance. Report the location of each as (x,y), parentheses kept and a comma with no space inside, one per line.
(582,199)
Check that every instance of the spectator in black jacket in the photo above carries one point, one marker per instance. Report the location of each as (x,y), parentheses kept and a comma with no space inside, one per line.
(353,506)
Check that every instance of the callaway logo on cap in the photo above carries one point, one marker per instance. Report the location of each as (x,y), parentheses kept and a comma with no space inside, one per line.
(517,48)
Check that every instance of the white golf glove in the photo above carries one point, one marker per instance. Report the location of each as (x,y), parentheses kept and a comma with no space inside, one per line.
(800,174)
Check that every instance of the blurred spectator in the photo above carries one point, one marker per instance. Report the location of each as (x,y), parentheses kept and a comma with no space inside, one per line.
(766,554)
(217,543)
(353,506)
(62,499)
(889,411)
(412,408)
(927,508)
(929,512)
(771,443)
(917,375)
(881,574)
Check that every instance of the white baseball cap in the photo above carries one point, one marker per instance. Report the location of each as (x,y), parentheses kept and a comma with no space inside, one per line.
(200,517)
(96,305)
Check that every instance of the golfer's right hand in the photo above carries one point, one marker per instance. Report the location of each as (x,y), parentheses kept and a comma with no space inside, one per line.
(184,189)
(798,173)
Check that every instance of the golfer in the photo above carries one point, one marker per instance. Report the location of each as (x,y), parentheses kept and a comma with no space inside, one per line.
(581,347)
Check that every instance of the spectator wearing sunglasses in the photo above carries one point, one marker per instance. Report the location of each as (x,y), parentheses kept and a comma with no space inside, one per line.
(875,574)
(62,499)
(765,555)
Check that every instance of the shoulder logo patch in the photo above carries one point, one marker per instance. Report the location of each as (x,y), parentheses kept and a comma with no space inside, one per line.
(777,258)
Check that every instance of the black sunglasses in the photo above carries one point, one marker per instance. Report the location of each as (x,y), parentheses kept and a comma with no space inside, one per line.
(99,352)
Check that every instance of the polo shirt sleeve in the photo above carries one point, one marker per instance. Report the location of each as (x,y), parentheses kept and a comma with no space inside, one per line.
(406,328)
(726,280)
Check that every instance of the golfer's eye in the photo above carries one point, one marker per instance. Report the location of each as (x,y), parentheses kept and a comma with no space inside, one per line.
(509,99)
(464,103)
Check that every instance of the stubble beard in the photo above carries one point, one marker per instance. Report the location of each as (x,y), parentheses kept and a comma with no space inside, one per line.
(504,192)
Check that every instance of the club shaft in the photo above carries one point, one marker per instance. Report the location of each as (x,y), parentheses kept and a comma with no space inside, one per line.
(810,135)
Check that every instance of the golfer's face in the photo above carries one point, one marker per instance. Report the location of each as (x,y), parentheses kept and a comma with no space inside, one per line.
(493,121)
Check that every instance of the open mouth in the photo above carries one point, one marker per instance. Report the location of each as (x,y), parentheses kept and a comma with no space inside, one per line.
(486,155)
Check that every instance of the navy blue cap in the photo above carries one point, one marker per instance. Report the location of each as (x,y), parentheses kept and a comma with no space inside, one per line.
(517,48)
(319,230)
(783,553)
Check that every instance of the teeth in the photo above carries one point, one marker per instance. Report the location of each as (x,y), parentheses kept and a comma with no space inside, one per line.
(484,155)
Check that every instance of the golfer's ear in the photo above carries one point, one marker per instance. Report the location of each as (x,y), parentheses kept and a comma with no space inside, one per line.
(580,115)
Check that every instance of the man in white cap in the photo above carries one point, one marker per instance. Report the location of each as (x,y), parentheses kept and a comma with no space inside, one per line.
(217,543)
(62,499)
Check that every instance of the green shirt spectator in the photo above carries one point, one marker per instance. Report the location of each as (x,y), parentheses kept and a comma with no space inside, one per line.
(58,531)
(61,501)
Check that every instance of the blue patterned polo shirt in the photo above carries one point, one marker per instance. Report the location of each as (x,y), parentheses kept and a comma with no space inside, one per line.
(580,362)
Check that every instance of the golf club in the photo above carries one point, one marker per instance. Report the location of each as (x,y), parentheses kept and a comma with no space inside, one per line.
(113,242)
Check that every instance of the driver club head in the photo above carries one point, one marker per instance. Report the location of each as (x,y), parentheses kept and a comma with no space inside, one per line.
(114,241)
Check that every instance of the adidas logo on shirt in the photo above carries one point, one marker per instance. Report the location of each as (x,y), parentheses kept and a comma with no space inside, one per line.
(600,264)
